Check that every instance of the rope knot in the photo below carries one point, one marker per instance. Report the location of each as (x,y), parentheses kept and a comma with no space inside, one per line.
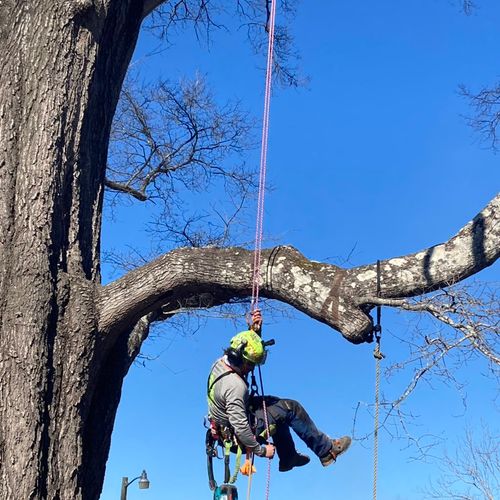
(377,353)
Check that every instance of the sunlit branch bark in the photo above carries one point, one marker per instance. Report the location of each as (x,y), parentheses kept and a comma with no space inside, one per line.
(474,247)
(225,273)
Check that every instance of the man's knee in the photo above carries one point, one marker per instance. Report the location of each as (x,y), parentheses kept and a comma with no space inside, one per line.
(292,405)
(283,410)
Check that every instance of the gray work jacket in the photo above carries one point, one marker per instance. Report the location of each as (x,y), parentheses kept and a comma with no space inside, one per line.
(228,403)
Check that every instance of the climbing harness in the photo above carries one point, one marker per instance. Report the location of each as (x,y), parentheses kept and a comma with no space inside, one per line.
(221,436)
(218,435)
(377,354)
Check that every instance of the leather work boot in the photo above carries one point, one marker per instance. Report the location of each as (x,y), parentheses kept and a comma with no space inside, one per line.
(339,446)
(298,460)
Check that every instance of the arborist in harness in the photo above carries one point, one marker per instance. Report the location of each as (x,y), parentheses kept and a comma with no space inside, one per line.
(233,410)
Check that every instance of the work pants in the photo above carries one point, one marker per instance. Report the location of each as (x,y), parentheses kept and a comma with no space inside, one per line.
(284,414)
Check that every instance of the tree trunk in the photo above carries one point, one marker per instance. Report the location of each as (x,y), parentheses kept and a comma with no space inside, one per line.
(62,68)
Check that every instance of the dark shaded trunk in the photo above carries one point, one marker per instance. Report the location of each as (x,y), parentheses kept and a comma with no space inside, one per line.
(62,68)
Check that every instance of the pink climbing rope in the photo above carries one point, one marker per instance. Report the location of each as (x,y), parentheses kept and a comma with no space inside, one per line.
(263,160)
(260,207)
(268,475)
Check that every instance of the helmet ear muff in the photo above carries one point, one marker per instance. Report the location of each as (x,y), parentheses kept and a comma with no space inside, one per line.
(241,347)
(235,355)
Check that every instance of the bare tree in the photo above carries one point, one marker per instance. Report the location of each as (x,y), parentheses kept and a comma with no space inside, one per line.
(472,472)
(485,117)
(167,137)
(169,142)
(462,324)
(67,342)
(254,16)
(468,325)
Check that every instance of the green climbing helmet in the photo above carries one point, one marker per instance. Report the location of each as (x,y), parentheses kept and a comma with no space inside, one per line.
(250,346)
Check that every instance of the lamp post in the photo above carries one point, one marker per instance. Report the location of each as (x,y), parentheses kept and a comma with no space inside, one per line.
(143,484)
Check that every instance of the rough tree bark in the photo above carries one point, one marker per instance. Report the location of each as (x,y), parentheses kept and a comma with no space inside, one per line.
(62,68)
(66,342)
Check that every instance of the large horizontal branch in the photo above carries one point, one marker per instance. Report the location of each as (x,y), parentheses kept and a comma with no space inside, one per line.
(325,292)
(227,273)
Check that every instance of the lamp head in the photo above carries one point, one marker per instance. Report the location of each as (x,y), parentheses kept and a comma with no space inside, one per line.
(143,481)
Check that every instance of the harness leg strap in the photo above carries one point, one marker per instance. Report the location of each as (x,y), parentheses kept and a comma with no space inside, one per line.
(210,449)
(227,455)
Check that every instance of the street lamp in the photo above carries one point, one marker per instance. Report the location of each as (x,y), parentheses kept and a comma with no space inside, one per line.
(143,484)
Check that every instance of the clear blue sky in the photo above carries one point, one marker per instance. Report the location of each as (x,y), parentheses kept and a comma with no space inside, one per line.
(372,159)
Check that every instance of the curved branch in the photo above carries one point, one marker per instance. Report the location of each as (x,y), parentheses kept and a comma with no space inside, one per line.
(330,294)
(226,273)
